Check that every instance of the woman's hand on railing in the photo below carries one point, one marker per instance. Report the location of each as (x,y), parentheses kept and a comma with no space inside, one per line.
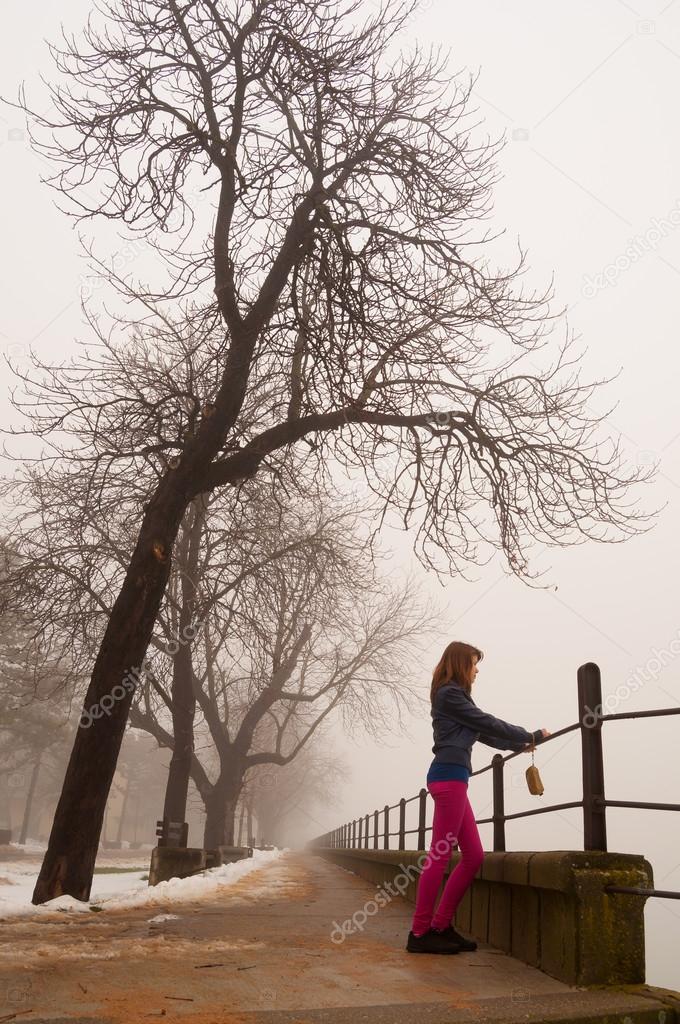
(532,746)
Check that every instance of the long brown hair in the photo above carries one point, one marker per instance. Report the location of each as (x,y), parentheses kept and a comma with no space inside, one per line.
(455,665)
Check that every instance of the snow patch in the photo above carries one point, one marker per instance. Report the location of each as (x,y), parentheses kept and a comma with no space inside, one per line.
(130,890)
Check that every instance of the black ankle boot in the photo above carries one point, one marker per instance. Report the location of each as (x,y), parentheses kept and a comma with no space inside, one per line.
(450,933)
(431,942)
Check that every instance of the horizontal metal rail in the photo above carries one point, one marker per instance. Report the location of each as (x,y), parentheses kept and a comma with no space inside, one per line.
(636,890)
(593,801)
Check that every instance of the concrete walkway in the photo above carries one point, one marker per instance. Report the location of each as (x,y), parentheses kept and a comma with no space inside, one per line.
(262,952)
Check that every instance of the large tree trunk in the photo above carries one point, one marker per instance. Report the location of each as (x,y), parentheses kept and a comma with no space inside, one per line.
(183,698)
(72,849)
(29,802)
(183,711)
(220,814)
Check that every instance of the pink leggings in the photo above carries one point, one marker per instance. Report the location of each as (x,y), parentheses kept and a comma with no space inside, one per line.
(453,817)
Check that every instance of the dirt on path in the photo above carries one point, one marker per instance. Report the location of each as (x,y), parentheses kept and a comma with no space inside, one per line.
(265,946)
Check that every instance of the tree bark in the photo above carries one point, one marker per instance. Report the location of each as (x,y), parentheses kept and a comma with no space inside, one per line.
(183,697)
(220,812)
(29,802)
(69,862)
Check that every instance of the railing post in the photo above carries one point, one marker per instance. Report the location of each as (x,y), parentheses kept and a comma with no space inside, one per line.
(366,831)
(360,841)
(422,808)
(354,833)
(590,717)
(375,830)
(497,765)
(386,833)
(402,824)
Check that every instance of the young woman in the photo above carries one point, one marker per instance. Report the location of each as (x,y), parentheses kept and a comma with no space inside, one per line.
(457,723)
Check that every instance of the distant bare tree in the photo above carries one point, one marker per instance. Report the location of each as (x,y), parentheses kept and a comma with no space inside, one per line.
(313,634)
(36,723)
(322,192)
(214,601)
(283,799)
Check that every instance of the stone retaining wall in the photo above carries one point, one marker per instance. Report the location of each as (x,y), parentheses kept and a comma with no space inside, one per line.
(547,909)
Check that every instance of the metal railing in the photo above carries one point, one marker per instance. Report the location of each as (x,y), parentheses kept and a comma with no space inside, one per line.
(357,833)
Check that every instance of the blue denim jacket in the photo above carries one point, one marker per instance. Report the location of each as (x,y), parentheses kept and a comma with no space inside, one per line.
(457,723)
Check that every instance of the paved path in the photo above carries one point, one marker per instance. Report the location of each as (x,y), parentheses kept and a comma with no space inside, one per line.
(261,953)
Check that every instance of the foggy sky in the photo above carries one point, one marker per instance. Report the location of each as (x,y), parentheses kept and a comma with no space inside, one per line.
(587,97)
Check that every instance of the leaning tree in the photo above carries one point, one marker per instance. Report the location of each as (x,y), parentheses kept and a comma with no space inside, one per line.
(323,191)
(315,633)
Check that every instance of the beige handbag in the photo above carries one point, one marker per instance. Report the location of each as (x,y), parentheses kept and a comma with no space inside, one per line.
(533,778)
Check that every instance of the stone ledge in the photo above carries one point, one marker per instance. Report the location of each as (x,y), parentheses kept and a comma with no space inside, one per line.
(547,908)
(183,861)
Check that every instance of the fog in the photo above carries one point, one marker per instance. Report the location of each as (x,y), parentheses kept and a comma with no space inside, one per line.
(586,97)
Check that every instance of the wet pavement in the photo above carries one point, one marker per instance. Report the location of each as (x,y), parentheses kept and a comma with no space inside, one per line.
(270,948)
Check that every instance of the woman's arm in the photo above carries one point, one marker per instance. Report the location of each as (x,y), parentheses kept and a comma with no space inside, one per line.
(457,705)
(490,741)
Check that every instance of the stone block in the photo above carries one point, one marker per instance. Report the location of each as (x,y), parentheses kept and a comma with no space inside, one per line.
(525,938)
(463,915)
(516,867)
(559,940)
(610,928)
(492,867)
(175,862)
(479,922)
(229,854)
(500,916)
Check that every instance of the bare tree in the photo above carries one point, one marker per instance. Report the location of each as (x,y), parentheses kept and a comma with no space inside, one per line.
(35,709)
(283,799)
(323,194)
(313,634)
(72,555)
